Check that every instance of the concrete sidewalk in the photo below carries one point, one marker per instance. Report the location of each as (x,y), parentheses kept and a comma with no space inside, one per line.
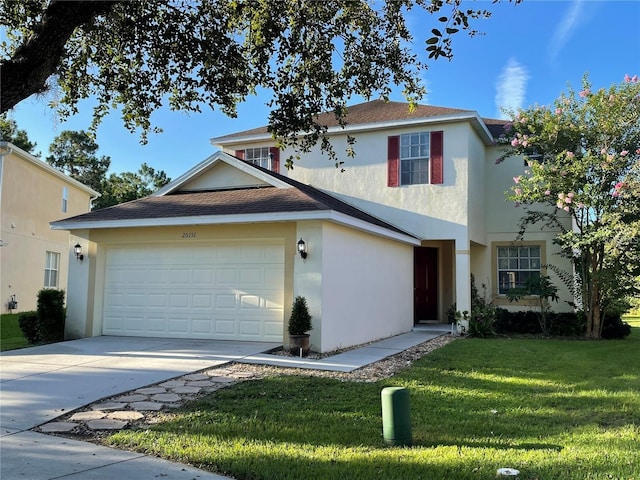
(41,383)
(353,359)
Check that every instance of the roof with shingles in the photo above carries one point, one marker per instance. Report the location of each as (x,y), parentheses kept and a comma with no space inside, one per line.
(378,111)
(243,201)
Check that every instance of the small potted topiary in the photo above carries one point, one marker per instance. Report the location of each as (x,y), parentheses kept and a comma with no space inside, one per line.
(299,325)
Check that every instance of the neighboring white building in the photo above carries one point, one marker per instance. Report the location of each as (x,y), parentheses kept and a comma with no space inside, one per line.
(391,241)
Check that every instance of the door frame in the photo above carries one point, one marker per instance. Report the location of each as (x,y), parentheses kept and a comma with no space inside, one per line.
(428,268)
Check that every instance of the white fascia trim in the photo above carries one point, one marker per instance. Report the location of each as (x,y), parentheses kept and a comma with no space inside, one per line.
(461,117)
(328,215)
(11,148)
(357,224)
(219,156)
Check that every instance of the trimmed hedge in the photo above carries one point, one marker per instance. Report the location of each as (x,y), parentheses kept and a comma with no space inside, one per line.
(615,328)
(28,323)
(565,324)
(51,315)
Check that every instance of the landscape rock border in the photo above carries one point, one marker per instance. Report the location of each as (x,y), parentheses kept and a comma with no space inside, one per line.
(149,405)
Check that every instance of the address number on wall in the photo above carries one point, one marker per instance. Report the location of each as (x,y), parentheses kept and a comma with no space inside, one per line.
(188,235)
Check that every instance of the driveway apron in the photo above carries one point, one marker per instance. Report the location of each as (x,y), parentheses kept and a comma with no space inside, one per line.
(39,384)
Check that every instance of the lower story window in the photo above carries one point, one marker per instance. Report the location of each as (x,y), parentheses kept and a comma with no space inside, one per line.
(516,265)
(51,268)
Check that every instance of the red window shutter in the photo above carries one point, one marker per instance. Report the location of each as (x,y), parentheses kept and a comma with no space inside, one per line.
(240,154)
(393,161)
(275,159)
(437,171)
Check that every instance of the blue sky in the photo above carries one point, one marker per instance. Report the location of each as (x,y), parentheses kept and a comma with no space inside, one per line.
(528,55)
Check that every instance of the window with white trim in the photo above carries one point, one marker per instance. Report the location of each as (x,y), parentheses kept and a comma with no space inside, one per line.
(51,269)
(414,158)
(258,156)
(65,199)
(516,264)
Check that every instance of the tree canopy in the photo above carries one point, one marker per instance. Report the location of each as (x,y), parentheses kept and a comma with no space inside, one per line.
(127,186)
(583,156)
(9,132)
(74,153)
(313,56)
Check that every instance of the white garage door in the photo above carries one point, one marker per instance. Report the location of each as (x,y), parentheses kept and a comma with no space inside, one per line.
(226,291)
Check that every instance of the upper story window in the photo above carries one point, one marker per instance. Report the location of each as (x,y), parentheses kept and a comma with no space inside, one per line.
(51,268)
(265,157)
(258,156)
(516,265)
(415,158)
(65,199)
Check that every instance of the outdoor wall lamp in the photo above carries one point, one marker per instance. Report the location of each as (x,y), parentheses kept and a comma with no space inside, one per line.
(302,248)
(78,251)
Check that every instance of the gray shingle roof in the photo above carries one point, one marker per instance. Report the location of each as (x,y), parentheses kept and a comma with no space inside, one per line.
(378,111)
(245,201)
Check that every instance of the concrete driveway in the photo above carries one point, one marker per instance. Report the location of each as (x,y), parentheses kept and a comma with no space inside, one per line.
(41,383)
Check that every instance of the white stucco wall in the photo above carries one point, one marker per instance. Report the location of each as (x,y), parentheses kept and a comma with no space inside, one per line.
(429,211)
(365,290)
(476,187)
(503,226)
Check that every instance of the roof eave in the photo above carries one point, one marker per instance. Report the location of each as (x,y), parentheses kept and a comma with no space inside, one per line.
(46,167)
(472,117)
(327,215)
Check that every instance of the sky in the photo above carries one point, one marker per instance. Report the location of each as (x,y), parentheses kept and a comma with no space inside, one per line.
(527,55)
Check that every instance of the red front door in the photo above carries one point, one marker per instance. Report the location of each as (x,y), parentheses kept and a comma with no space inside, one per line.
(425,284)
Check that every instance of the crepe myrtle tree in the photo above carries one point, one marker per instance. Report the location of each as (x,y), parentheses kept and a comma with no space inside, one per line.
(312,56)
(583,162)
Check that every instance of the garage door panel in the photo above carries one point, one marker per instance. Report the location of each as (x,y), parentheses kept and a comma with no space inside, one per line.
(202,301)
(249,302)
(225,326)
(180,276)
(202,326)
(157,300)
(249,328)
(156,324)
(202,276)
(225,291)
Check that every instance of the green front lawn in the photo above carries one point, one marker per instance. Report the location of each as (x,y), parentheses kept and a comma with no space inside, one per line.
(552,409)
(10,333)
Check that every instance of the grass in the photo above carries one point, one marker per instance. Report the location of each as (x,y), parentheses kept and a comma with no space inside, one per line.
(552,409)
(10,334)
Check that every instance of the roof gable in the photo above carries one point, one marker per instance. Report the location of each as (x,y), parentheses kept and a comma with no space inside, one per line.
(221,176)
(220,171)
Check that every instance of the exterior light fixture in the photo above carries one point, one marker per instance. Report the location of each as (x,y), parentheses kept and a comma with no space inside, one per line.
(78,251)
(302,248)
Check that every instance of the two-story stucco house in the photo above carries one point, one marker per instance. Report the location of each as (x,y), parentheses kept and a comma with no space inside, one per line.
(32,256)
(389,242)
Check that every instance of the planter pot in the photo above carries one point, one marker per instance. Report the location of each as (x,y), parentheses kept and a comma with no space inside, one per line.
(463,327)
(297,342)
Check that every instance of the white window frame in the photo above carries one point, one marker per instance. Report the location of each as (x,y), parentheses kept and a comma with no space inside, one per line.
(65,199)
(515,264)
(51,269)
(415,151)
(260,156)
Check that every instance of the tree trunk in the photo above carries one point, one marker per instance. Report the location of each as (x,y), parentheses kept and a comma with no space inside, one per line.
(33,62)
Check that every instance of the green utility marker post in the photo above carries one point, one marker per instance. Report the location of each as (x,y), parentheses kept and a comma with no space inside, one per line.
(396,417)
